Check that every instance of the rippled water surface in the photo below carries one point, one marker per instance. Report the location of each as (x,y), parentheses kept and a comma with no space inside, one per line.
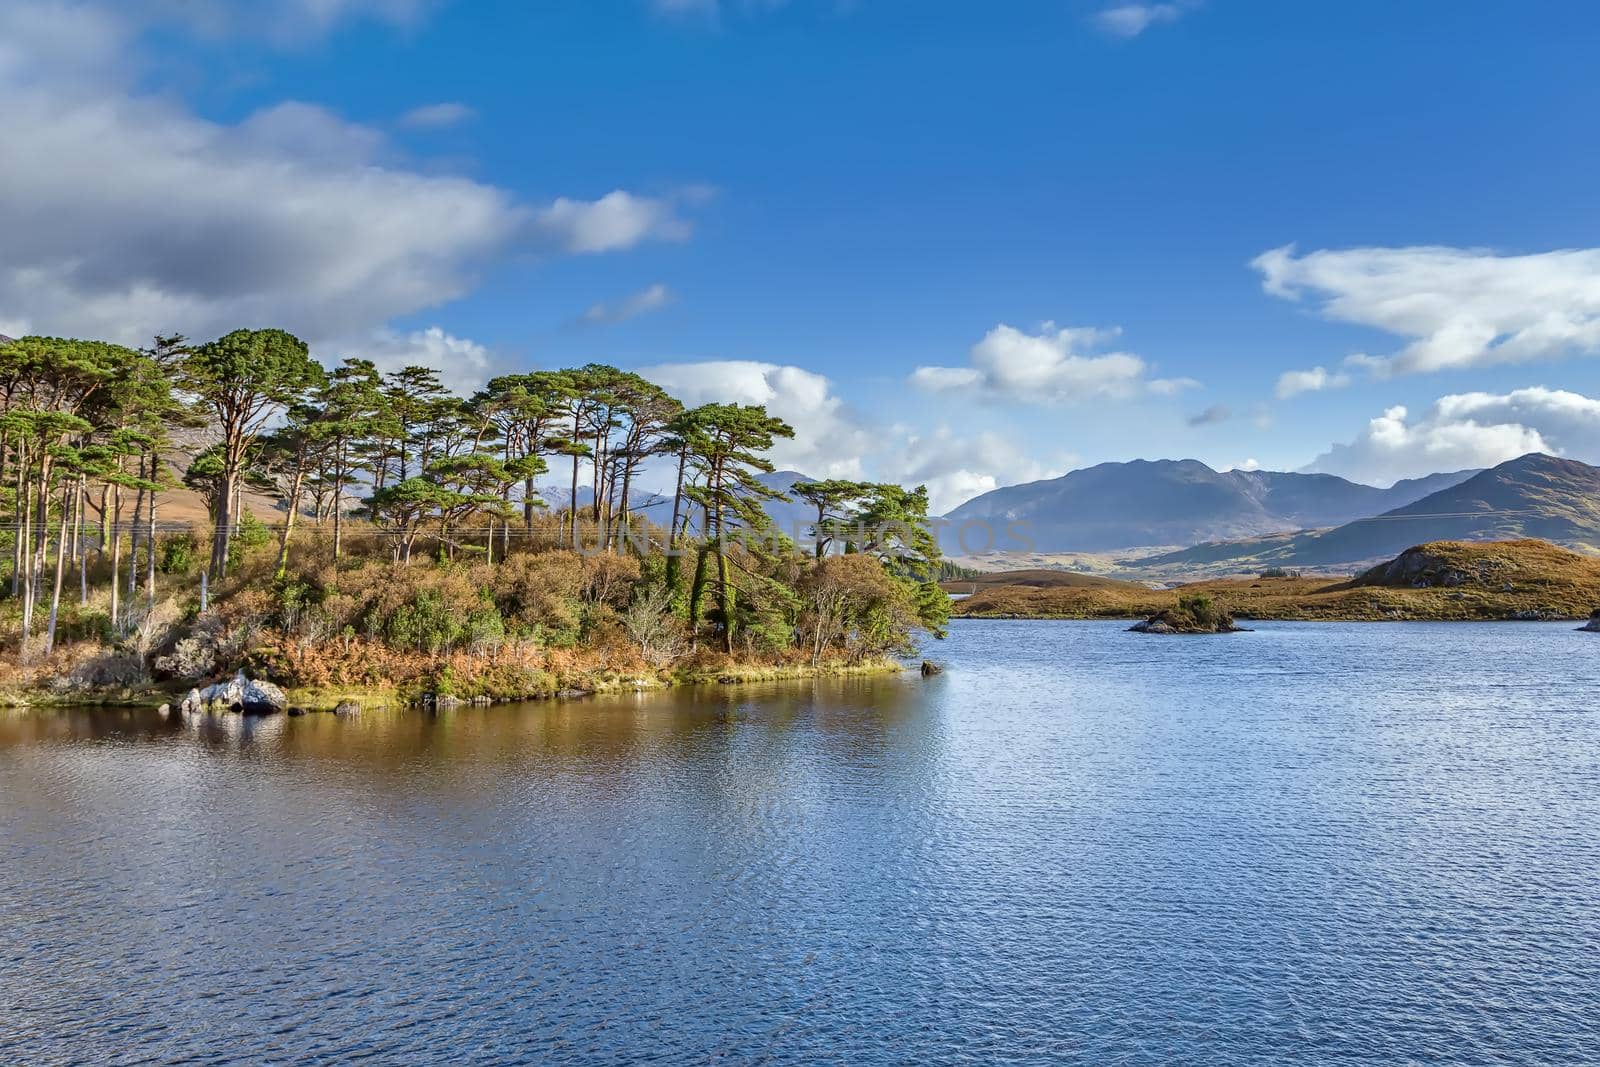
(1336,842)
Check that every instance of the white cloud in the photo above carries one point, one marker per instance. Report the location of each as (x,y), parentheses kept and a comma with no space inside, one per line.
(463,365)
(1251,464)
(1050,367)
(1459,307)
(829,441)
(956,468)
(644,301)
(1130,20)
(437,116)
(277,21)
(126,214)
(1295,382)
(1469,430)
(615,221)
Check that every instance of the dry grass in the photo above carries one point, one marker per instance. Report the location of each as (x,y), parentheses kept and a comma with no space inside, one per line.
(1465,581)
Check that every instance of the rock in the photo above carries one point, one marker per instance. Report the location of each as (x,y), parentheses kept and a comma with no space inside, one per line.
(240,694)
(191,704)
(347,707)
(1181,622)
(929,669)
(262,698)
(164,710)
(577,694)
(295,713)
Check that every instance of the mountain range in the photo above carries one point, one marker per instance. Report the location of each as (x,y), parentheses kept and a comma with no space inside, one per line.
(1251,520)
(1144,503)
(1534,495)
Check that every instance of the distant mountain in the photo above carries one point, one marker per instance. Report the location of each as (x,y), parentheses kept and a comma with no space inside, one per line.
(793,514)
(1536,496)
(1177,502)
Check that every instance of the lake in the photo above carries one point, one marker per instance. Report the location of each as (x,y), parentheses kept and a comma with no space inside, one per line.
(1336,842)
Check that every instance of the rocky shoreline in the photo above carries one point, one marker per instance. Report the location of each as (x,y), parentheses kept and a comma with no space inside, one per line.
(242,695)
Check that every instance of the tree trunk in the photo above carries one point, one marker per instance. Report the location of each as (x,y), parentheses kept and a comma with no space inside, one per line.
(23,502)
(622,504)
(25,559)
(61,567)
(77,542)
(116,552)
(133,535)
(338,504)
(105,516)
(288,523)
(672,531)
(150,556)
(219,543)
(573,501)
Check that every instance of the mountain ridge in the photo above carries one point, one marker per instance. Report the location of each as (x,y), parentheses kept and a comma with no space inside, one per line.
(1533,496)
(1140,503)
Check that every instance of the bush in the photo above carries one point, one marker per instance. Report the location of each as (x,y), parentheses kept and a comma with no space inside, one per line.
(249,535)
(1200,608)
(177,553)
(542,593)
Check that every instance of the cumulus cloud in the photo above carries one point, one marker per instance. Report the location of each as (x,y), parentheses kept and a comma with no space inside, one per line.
(1295,382)
(957,467)
(644,301)
(1469,430)
(1130,20)
(832,441)
(437,116)
(1050,367)
(829,440)
(464,365)
(1459,307)
(617,220)
(125,214)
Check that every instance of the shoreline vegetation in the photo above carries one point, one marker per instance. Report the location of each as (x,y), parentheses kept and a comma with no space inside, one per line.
(370,536)
(1526,580)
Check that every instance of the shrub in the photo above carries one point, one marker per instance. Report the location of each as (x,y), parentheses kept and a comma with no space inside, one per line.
(542,593)
(649,623)
(249,535)
(177,553)
(1200,608)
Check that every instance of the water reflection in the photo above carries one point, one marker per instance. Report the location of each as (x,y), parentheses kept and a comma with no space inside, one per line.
(1365,842)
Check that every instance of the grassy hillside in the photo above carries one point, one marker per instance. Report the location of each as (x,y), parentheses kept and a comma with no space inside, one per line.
(1438,580)
(1040,579)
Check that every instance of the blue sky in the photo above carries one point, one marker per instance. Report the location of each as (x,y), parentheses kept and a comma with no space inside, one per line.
(955,243)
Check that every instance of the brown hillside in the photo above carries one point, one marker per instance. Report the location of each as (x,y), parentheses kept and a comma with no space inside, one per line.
(1525,579)
(1040,578)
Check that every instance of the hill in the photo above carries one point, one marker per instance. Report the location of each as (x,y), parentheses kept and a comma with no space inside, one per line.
(1534,496)
(1449,580)
(1040,579)
(1115,506)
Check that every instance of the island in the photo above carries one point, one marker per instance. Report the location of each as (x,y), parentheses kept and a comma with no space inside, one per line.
(220,520)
